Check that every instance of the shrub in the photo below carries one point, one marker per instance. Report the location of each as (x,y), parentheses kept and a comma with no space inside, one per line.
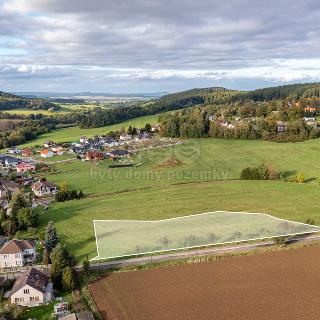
(300,178)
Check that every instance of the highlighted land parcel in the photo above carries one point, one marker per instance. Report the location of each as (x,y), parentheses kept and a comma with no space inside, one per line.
(121,238)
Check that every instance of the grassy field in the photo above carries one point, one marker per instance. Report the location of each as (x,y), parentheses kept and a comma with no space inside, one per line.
(65,108)
(153,192)
(118,238)
(73,133)
(73,219)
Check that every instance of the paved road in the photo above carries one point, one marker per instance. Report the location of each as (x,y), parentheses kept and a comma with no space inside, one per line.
(191,254)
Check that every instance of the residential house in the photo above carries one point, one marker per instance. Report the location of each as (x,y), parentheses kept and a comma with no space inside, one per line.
(31,289)
(44,188)
(46,153)
(25,167)
(15,150)
(108,142)
(281,126)
(311,121)
(83,139)
(94,155)
(144,136)
(310,110)
(7,188)
(125,137)
(76,149)
(17,253)
(58,150)
(49,144)
(9,161)
(119,154)
(27,152)
(155,128)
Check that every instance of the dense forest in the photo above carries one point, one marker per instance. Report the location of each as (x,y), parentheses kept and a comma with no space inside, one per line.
(9,101)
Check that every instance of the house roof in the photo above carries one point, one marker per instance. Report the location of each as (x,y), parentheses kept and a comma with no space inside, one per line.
(40,184)
(24,164)
(85,316)
(34,278)
(8,185)
(71,316)
(44,151)
(16,246)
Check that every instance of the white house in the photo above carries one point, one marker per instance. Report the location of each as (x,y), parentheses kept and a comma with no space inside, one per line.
(46,153)
(44,188)
(125,137)
(31,289)
(17,253)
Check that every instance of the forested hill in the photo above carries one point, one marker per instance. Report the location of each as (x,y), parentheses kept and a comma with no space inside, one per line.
(218,95)
(196,97)
(10,101)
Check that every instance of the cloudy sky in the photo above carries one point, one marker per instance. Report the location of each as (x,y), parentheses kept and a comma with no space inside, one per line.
(156,45)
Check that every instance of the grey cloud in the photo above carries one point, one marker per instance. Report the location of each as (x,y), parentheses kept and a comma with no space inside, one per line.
(154,35)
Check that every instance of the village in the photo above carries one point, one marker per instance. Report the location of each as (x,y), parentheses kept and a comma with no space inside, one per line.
(25,191)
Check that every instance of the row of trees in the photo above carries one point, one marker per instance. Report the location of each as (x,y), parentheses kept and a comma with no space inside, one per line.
(67,195)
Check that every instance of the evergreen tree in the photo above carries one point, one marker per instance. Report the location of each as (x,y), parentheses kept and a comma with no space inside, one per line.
(68,279)
(80,195)
(51,237)
(129,131)
(46,257)
(59,261)
(147,127)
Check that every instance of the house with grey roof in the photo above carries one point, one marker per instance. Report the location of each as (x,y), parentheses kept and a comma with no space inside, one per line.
(31,289)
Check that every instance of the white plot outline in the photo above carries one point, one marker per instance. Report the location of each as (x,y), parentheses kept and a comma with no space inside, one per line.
(199,246)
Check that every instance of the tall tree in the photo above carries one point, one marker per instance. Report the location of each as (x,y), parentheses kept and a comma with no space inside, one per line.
(51,237)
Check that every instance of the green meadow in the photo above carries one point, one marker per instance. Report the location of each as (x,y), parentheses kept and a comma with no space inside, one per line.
(204,179)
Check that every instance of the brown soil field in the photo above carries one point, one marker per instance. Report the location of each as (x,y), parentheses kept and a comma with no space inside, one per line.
(281,285)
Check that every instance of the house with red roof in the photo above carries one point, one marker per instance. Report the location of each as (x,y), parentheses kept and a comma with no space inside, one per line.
(46,153)
(17,253)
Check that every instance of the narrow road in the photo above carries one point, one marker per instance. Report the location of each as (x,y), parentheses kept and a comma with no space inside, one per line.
(95,265)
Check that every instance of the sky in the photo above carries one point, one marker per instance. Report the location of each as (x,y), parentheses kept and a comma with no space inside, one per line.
(127,46)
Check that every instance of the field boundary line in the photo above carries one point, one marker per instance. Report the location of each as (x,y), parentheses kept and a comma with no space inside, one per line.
(204,245)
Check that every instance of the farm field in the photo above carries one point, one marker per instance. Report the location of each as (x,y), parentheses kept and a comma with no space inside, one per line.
(74,219)
(65,108)
(278,285)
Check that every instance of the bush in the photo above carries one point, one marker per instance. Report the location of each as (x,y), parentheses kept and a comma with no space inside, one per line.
(259,173)
(63,196)
(300,178)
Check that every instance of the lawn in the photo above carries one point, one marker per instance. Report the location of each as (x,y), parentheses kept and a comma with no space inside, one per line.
(42,312)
